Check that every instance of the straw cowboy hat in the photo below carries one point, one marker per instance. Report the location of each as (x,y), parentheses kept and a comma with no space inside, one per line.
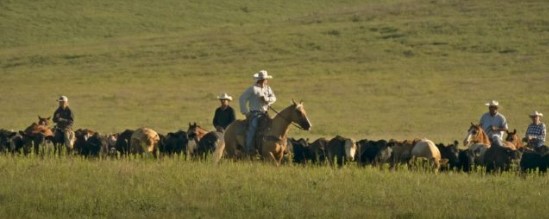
(262,75)
(225,96)
(536,113)
(63,99)
(493,103)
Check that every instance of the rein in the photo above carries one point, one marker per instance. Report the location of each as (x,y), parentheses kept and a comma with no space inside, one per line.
(287,120)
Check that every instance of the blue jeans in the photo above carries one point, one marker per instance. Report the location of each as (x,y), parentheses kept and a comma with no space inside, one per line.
(253,122)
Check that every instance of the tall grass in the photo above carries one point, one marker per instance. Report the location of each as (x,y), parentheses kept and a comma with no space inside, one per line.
(73,187)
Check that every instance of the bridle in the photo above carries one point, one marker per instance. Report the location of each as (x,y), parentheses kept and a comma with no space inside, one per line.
(287,120)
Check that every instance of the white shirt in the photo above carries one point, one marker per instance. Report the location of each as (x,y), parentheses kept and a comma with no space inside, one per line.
(256,98)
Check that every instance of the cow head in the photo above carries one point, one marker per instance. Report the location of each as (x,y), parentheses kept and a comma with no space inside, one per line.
(350,149)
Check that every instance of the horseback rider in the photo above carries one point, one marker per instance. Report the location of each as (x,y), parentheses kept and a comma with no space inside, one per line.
(494,123)
(535,133)
(224,114)
(254,103)
(64,118)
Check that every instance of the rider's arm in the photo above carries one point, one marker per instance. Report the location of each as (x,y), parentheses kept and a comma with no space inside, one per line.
(244,99)
(270,97)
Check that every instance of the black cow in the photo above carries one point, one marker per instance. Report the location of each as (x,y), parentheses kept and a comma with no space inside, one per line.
(451,153)
(5,140)
(208,144)
(373,152)
(94,145)
(174,143)
(535,160)
(300,150)
(123,142)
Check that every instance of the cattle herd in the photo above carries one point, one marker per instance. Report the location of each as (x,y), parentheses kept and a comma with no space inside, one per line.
(195,143)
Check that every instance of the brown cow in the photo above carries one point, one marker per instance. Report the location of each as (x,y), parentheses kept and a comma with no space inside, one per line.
(144,141)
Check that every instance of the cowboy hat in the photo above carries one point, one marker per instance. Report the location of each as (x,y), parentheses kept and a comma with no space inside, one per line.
(536,113)
(63,99)
(493,103)
(225,96)
(262,75)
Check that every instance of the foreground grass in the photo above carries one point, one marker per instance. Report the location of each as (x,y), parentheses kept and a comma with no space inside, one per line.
(65,187)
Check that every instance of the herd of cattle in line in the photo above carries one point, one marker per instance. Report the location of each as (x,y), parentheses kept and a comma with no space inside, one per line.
(196,143)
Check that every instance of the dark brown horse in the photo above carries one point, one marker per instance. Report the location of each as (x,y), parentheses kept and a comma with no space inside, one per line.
(273,142)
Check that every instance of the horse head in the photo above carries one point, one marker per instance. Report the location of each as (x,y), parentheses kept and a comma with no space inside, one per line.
(299,115)
(43,121)
(514,138)
(475,134)
(195,131)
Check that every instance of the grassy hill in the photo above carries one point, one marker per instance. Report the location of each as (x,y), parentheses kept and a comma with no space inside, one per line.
(376,69)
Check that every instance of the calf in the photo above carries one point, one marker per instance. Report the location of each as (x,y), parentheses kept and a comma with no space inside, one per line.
(451,153)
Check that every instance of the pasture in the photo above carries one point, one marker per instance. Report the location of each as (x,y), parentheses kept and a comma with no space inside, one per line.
(365,69)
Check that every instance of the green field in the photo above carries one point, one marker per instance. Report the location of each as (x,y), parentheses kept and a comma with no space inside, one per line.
(364,69)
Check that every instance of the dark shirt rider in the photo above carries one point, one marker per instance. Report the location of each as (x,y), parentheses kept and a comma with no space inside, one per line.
(224,115)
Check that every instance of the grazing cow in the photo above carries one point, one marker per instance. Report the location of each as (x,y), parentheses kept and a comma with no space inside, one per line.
(318,150)
(174,143)
(402,151)
(533,160)
(373,152)
(123,142)
(342,149)
(211,143)
(451,153)
(144,141)
(425,148)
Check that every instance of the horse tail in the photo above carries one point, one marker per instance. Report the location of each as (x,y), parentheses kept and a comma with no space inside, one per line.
(218,152)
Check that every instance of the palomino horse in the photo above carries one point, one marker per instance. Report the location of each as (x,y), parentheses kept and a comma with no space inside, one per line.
(39,132)
(273,140)
(477,142)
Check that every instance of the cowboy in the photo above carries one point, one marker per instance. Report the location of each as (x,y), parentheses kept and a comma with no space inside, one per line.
(254,103)
(494,123)
(224,115)
(535,133)
(64,118)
